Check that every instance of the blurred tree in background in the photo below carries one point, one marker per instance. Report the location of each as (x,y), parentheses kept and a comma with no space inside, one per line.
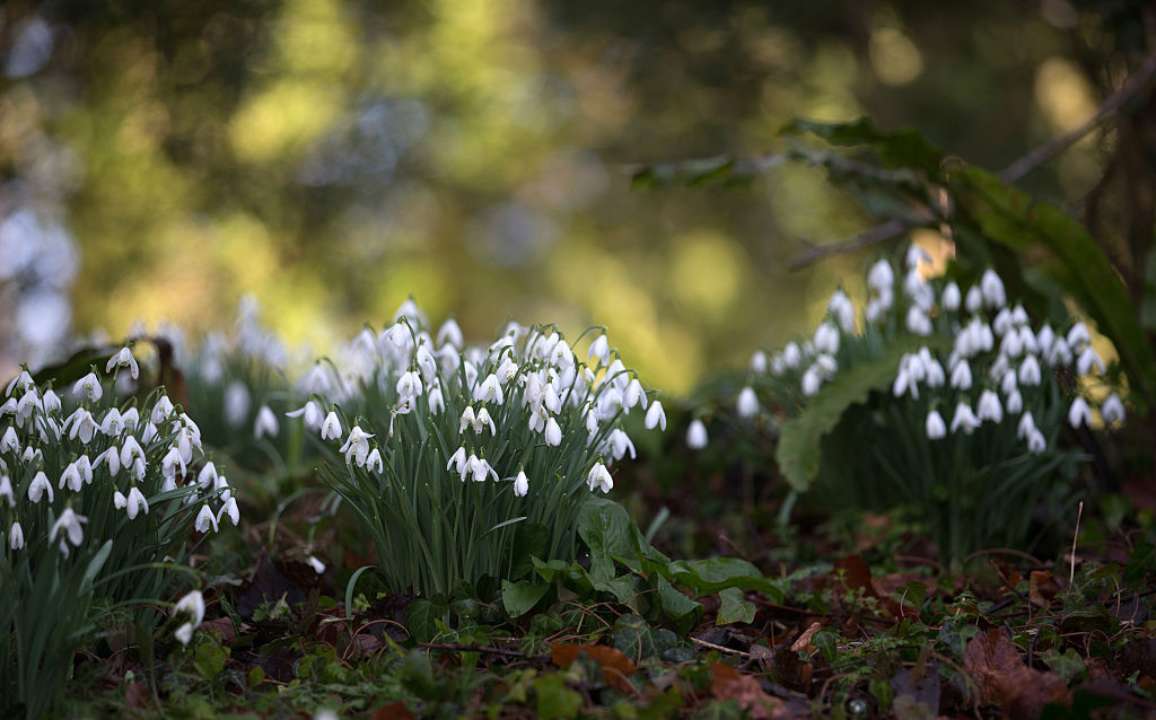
(160,158)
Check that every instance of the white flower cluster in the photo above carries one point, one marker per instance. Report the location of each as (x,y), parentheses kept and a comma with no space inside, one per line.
(55,464)
(996,360)
(528,381)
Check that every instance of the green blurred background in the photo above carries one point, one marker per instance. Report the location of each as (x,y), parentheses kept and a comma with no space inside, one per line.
(159,159)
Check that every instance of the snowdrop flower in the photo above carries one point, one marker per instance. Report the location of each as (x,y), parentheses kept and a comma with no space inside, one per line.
(989,407)
(1025,426)
(9,442)
(205,520)
(917,321)
(437,402)
(961,376)
(993,290)
(231,511)
(15,537)
(1014,403)
(113,423)
(484,420)
(1060,354)
(356,447)
(8,407)
(843,310)
(111,458)
(88,387)
(881,277)
(973,301)
(1030,371)
(317,565)
(6,490)
(37,488)
(409,385)
(964,419)
(599,477)
(811,381)
(162,409)
(748,403)
(129,450)
(1079,413)
(123,359)
(266,423)
(458,462)
(826,338)
(468,419)
(135,503)
(490,391)
(312,412)
(479,469)
(936,429)
(696,437)
(1078,335)
(951,297)
(553,433)
(1112,410)
(792,355)
(29,403)
(1002,322)
(600,349)
(1028,339)
(620,443)
(656,416)
(331,428)
(236,403)
(22,381)
(1037,443)
(1088,359)
(81,424)
(1008,384)
(916,256)
(1011,346)
(374,462)
(72,525)
(71,478)
(1044,338)
(149,434)
(450,332)
(521,484)
(52,402)
(634,395)
(171,462)
(192,606)
(759,362)
(904,382)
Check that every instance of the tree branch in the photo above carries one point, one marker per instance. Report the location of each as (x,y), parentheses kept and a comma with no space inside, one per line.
(1136,85)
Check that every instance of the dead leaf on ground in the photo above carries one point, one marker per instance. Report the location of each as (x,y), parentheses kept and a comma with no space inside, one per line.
(728,683)
(616,667)
(1042,587)
(1002,678)
(393,711)
(804,641)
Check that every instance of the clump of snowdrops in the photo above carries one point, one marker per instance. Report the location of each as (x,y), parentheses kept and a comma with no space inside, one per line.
(462,462)
(973,430)
(98,498)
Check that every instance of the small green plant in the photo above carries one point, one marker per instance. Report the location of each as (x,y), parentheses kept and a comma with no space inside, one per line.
(943,399)
(97,502)
(461,463)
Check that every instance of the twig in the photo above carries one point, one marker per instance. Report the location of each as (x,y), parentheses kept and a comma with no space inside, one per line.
(1136,85)
(720,648)
(453,647)
(1075,538)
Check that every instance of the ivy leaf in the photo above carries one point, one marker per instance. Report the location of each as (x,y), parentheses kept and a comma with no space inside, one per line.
(421,619)
(607,531)
(555,700)
(734,607)
(677,607)
(520,597)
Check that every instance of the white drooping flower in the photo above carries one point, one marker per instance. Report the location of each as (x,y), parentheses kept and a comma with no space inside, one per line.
(964,419)
(356,446)
(38,487)
(136,503)
(266,423)
(936,429)
(973,300)
(72,525)
(1088,360)
(917,321)
(811,382)
(1112,411)
(826,338)
(314,416)
(1025,426)
(9,442)
(206,520)
(437,402)
(237,401)
(191,606)
(961,376)
(620,444)
(989,407)
(409,386)
(450,332)
(231,511)
(1079,413)
(881,277)
(553,433)
(490,390)
(993,291)
(1037,443)
(161,410)
(123,359)
(748,403)
(758,362)
(88,388)
(521,484)
(15,537)
(656,416)
(1029,373)
(696,437)
(331,428)
(600,349)
(599,478)
(1078,335)
(951,297)
(843,310)
(1014,403)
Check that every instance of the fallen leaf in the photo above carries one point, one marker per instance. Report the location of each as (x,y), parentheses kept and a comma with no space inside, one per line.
(856,574)
(729,684)
(1042,587)
(393,711)
(136,695)
(1002,678)
(804,641)
(616,667)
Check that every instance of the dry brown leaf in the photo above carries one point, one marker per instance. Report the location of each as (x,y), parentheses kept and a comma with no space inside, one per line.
(729,684)
(1042,587)
(1002,678)
(804,640)
(616,667)
(393,711)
